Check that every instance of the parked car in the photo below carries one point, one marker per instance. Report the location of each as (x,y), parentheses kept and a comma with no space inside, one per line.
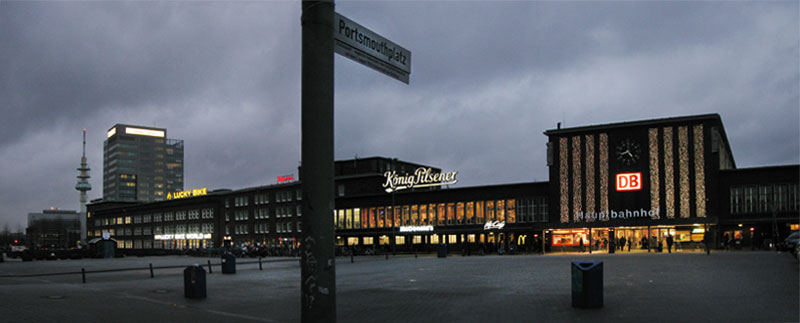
(791,241)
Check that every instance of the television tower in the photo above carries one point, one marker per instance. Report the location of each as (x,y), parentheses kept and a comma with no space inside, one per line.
(83,186)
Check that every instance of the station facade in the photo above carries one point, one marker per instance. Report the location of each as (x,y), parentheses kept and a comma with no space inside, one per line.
(640,182)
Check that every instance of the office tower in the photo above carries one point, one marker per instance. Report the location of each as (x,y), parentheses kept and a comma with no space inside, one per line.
(141,164)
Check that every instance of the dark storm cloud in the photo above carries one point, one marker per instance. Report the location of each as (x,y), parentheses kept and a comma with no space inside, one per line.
(487,79)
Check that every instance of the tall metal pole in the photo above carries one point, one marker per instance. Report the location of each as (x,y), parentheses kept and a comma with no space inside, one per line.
(318,274)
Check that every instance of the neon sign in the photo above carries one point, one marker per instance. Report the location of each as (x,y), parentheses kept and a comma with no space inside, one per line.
(629,181)
(423,228)
(286,178)
(189,193)
(624,214)
(422,177)
(494,225)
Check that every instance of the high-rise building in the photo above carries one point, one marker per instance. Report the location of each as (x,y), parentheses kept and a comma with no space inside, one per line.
(141,164)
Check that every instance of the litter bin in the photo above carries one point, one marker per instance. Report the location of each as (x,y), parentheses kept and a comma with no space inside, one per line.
(194,282)
(587,284)
(442,251)
(228,263)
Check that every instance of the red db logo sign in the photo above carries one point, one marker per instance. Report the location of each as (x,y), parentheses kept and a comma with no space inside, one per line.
(629,181)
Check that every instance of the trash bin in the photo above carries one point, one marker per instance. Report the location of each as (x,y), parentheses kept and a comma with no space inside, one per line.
(228,263)
(442,250)
(194,282)
(587,284)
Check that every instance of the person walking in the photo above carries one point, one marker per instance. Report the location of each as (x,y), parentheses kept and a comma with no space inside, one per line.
(622,244)
(581,244)
(669,243)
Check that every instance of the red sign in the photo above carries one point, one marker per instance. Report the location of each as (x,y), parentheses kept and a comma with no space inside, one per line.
(629,181)
(286,178)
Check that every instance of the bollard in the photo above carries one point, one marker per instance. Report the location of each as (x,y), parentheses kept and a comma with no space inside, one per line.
(209,267)
(83,275)
(387,256)
(259,264)
(351,257)
(151,271)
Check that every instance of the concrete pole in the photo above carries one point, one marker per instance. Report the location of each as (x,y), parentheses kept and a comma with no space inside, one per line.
(317,272)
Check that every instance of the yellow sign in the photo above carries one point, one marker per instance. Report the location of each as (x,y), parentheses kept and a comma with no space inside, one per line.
(189,193)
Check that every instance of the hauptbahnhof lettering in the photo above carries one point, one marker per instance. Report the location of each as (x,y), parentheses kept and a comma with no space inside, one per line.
(679,179)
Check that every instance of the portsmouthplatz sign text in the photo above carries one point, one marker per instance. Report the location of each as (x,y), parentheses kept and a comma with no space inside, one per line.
(422,177)
(364,46)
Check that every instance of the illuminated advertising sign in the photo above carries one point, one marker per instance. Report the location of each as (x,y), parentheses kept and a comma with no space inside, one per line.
(182,236)
(629,181)
(285,178)
(623,214)
(422,177)
(423,228)
(189,193)
(112,132)
(144,132)
(494,225)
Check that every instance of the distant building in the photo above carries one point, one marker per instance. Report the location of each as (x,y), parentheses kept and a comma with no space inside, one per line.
(641,184)
(141,164)
(53,229)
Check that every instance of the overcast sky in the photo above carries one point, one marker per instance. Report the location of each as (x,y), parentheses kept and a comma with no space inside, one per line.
(487,79)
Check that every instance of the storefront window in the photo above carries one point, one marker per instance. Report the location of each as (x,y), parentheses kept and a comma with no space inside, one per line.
(383,240)
(414,215)
(368,241)
(434,239)
(460,212)
(489,211)
(479,208)
(417,239)
(400,240)
(423,214)
(348,217)
(452,239)
(356,218)
(381,216)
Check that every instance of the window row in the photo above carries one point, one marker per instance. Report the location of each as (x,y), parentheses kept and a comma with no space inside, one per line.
(169,229)
(764,198)
(193,214)
(456,213)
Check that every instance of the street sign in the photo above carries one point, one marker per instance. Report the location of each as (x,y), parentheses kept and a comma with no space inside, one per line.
(364,46)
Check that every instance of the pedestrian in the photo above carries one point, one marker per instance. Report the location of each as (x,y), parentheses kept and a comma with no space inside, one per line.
(669,243)
(726,242)
(581,244)
(622,244)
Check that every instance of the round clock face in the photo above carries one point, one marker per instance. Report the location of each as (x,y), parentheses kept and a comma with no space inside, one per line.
(628,151)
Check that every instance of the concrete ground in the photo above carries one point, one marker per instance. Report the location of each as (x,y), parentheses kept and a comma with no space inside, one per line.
(723,287)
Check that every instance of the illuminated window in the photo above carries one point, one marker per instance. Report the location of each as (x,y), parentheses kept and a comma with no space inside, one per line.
(406,215)
(349,218)
(470,212)
(423,214)
(372,221)
(655,197)
(563,181)
(414,215)
(511,211)
(500,210)
(669,173)
(460,212)
(441,214)
(699,171)
(577,175)
(683,170)
(381,216)
(479,208)
(451,208)
(489,211)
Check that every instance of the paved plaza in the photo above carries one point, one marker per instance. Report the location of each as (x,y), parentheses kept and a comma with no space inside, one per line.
(688,287)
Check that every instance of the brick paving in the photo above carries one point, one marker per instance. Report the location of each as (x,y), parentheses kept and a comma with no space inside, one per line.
(723,287)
